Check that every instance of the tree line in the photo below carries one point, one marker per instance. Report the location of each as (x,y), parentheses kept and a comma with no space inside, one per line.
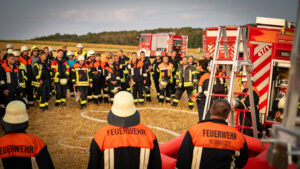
(125,37)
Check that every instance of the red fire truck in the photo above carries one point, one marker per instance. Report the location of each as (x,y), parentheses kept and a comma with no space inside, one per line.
(269,47)
(163,44)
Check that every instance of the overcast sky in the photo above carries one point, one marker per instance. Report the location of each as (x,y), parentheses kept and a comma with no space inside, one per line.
(26,19)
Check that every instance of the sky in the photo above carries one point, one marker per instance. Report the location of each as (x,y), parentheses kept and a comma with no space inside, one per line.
(26,19)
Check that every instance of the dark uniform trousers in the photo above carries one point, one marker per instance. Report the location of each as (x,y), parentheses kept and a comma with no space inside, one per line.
(138,92)
(44,92)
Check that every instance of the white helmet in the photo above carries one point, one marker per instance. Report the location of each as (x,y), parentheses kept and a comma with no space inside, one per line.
(69,53)
(50,49)
(16,53)
(79,45)
(10,51)
(123,105)
(91,53)
(15,113)
(9,46)
(81,57)
(158,53)
(23,48)
(282,102)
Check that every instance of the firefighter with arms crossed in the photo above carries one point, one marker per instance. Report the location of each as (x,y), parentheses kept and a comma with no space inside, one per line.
(112,77)
(138,76)
(124,142)
(165,70)
(148,67)
(212,143)
(41,71)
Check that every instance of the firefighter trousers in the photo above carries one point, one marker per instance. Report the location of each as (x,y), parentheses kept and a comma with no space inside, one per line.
(29,93)
(165,94)
(83,90)
(105,94)
(44,91)
(95,92)
(178,94)
(148,85)
(138,92)
(156,84)
(200,106)
(70,87)
(173,89)
(61,93)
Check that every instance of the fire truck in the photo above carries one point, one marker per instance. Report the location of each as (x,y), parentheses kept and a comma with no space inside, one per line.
(269,46)
(162,44)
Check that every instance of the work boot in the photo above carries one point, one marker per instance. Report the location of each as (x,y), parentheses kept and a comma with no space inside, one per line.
(47,108)
(105,99)
(95,101)
(57,104)
(64,104)
(191,107)
(141,103)
(174,104)
(148,99)
(43,109)
(82,106)
(100,99)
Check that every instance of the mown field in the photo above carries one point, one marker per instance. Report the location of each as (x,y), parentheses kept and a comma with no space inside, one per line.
(87,46)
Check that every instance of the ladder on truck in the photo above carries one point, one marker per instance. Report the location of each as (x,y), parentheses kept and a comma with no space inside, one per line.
(232,66)
(285,141)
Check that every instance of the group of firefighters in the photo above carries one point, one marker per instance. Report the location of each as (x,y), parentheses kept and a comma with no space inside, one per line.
(36,75)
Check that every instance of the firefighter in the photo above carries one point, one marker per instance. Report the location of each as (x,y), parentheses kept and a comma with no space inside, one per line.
(123,67)
(82,79)
(165,70)
(8,46)
(185,81)
(175,61)
(137,76)
(208,58)
(245,118)
(71,61)
(112,78)
(90,61)
(105,64)
(124,142)
(100,78)
(27,75)
(191,61)
(80,51)
(34,55)
(61,72)
(10,80)
(202,87)
(155,73)
(95,67)
(148,68)
(41,71)
(18,148)
(212,143)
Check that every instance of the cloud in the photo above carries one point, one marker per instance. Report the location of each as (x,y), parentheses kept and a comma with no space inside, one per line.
(121,15)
